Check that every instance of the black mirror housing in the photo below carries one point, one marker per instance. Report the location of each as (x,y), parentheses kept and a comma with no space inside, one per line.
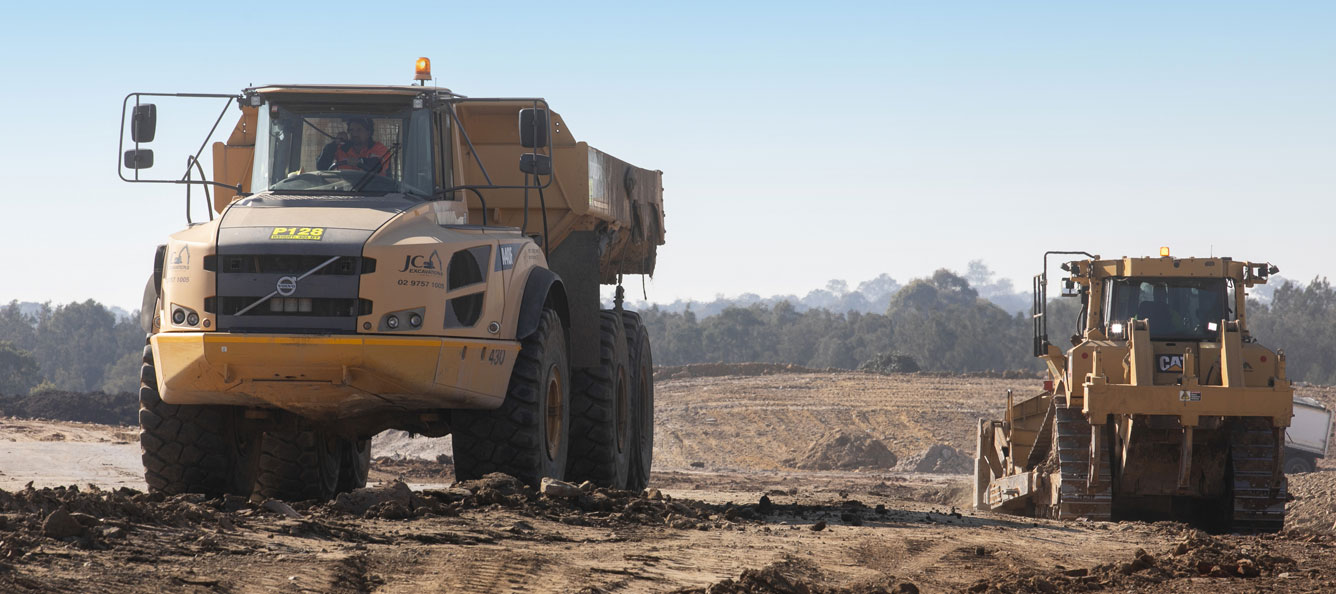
(144,122)
(533,128)
(139,159)
(535,164)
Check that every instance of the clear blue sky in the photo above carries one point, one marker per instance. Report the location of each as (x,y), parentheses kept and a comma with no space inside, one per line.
(799,142)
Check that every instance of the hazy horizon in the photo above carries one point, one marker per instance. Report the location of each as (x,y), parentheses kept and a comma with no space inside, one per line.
(798,144)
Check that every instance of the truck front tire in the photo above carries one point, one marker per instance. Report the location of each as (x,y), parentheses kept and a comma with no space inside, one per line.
(527,436)
(193,448)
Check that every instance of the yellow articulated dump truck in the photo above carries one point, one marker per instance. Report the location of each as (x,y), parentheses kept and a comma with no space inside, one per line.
(1165,407)
(402,257)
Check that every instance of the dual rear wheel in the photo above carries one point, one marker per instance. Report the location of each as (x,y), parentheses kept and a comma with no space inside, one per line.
(593,424)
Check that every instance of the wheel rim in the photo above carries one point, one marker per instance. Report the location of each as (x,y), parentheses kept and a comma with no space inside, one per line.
(555,404)
(622,407)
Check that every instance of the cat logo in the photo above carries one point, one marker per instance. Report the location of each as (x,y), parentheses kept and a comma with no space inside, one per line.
(1171,363)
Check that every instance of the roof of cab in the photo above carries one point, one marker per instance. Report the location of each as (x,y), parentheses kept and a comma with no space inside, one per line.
(405,90)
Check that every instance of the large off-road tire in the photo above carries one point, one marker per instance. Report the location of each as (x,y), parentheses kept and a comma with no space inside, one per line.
(193,448)
(300,465)
(642,400)
(356,465)
(527,436)
(601,434)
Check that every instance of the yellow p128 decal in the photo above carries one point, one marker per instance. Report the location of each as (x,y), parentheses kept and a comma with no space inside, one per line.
(307,233)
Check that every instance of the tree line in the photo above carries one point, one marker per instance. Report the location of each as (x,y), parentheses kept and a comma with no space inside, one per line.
(939,323)
(79,347)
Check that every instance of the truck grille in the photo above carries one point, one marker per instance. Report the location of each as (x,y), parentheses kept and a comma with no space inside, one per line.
(323,301)
(294,306)
(290,265)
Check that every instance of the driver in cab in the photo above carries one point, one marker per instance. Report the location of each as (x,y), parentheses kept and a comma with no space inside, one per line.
(355,149)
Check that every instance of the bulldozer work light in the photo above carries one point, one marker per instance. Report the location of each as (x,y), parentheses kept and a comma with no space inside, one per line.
(1164,251)
(422,70)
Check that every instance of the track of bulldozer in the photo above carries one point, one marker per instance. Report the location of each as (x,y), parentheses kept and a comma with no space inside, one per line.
(1077,498)
(1257,506)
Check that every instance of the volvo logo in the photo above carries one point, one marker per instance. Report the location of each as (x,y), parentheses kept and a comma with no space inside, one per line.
(287,286)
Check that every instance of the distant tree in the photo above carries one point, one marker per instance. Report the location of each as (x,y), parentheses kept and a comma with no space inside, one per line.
(19,371)
(18,328)
(79,344)
(1301,319)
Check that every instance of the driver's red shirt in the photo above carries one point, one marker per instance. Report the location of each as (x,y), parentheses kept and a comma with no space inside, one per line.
(346,156)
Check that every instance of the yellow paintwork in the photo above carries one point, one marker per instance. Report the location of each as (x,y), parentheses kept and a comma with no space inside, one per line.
(327,377)
(1106,399)
(1124,377)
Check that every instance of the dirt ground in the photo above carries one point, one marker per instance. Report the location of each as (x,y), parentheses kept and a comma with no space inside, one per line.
(730,510)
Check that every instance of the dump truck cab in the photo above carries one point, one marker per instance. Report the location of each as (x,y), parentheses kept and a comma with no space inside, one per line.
(397,257)
(1163,407)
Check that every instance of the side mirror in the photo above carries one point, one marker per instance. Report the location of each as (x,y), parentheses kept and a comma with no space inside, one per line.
(535,164)
(1068,287)
(533,128)
(139,158)
(144,122)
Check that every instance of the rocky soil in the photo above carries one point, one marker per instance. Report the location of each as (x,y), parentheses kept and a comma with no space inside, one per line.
(735,506)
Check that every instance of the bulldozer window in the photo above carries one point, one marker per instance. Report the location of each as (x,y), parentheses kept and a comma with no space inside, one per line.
(1177,308)
(323,150)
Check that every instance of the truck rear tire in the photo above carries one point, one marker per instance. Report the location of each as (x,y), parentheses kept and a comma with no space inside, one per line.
(642,400)
(193,448)
(356,465)
(300,465)
(527,436)
(601,433)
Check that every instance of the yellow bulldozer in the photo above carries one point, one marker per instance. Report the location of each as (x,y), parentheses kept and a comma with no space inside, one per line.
(1165,406)
(402,257)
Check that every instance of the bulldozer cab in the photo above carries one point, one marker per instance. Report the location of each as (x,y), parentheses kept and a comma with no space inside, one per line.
(1183,309)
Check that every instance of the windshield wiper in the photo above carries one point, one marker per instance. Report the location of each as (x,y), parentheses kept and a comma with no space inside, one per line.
(366,177)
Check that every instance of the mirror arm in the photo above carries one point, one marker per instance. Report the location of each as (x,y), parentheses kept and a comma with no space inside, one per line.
(476,158)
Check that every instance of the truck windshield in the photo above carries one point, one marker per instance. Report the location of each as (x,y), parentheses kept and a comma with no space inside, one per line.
(1177,308)
(333,150)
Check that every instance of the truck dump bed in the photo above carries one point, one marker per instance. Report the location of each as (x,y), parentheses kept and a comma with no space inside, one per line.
(591,190)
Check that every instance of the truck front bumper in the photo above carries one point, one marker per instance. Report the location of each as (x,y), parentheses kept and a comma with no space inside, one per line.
(331,377)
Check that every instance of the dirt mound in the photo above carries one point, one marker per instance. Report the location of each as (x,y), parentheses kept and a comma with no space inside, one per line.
(939,459)
(1197,555)
(1313,510)
(97,519)
(416,469)
(83,407)
(795,576)
(727,369)
(841,449)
